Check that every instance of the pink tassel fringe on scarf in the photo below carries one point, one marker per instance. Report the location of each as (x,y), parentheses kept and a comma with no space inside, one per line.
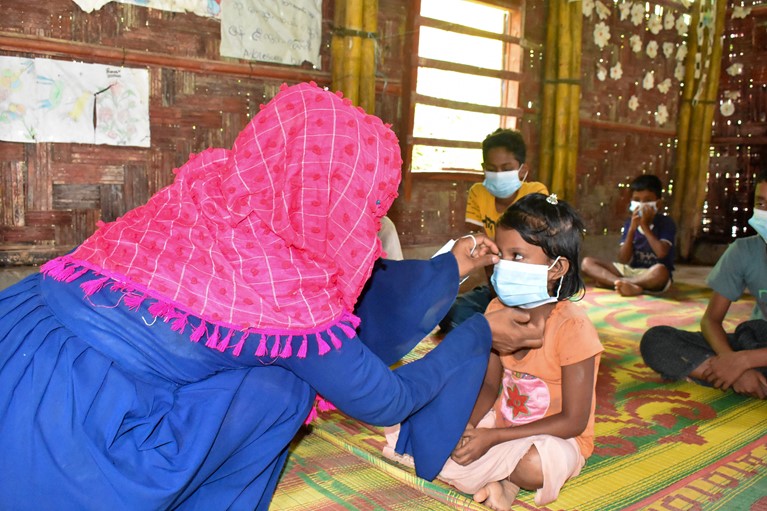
(275,237)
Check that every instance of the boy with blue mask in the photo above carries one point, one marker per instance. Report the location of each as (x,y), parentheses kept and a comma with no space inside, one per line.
(736,360)
(507,179)
(646,254)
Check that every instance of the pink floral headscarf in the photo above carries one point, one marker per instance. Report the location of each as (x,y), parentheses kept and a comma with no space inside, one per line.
(276,236)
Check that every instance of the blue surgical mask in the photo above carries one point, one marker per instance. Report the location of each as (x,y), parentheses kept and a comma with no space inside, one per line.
(503,184)
(522,284)
(759,222)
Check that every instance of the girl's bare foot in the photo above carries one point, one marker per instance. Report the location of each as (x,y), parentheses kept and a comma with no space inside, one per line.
(626,288)
(498,495)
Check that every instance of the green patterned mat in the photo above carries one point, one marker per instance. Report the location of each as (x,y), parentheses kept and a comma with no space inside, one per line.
(659,446)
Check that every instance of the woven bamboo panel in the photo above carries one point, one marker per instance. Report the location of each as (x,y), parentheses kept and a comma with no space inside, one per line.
(53,194)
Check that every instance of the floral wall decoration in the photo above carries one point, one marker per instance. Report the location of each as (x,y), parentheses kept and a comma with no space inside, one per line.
(601,34)
(735,69)
(661,115)
(601,72)
(727,105)
(616,71)
(733,64)
(654,24)
(641,47)
(652,49)
(668,49)
(649,81)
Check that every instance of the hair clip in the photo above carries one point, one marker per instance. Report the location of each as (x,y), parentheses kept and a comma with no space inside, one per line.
(552,199)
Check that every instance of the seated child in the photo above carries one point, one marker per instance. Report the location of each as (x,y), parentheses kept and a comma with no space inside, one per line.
(736,360)
(646,253)
(539,430)
(507,180)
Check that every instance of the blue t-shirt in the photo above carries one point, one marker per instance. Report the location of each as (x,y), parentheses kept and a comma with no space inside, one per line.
(664,228)
(743,266)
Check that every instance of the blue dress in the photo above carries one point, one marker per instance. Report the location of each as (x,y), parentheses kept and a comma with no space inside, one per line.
(103,407)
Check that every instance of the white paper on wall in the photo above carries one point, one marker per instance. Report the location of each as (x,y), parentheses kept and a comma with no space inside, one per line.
(91,5)
(43,100)
(207,8)
(122,107)
(17,99)
(285,31)
(65,101)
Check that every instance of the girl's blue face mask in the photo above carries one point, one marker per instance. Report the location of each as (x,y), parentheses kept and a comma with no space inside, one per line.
(522,284)
(503,184)
(759,222)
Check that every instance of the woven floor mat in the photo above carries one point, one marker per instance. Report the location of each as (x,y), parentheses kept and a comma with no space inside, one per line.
(658,446)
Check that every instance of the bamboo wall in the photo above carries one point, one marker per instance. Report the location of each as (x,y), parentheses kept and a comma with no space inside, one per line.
(617,143)
(53,194)
(739,141)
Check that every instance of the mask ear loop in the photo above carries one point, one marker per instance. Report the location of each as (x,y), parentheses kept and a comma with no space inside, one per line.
(561,279)
(519,170)
(471,252)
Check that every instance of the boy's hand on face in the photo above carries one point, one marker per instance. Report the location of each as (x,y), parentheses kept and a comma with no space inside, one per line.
(648,215)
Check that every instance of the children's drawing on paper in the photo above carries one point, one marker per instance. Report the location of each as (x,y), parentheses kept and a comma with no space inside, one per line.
(122,108)
(17,93)
(65,100)
(44,100)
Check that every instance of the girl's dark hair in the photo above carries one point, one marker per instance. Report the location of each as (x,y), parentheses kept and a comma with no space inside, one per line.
(554,226)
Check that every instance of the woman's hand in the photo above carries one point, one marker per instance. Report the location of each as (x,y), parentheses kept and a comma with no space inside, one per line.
(474,443)
(474,251)
(514,329)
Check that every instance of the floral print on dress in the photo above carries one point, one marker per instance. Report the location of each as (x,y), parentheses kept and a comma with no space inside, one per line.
(526,398)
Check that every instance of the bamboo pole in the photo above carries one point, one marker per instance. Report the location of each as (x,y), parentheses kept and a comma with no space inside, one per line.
(548,106)
(353,51)
(708,108)
(368,66)
(337,46)
(683,126)
(562,108)
(695,150)
(573,131)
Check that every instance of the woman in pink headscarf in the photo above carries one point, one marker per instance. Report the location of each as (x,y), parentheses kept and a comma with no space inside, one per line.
(167,362)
